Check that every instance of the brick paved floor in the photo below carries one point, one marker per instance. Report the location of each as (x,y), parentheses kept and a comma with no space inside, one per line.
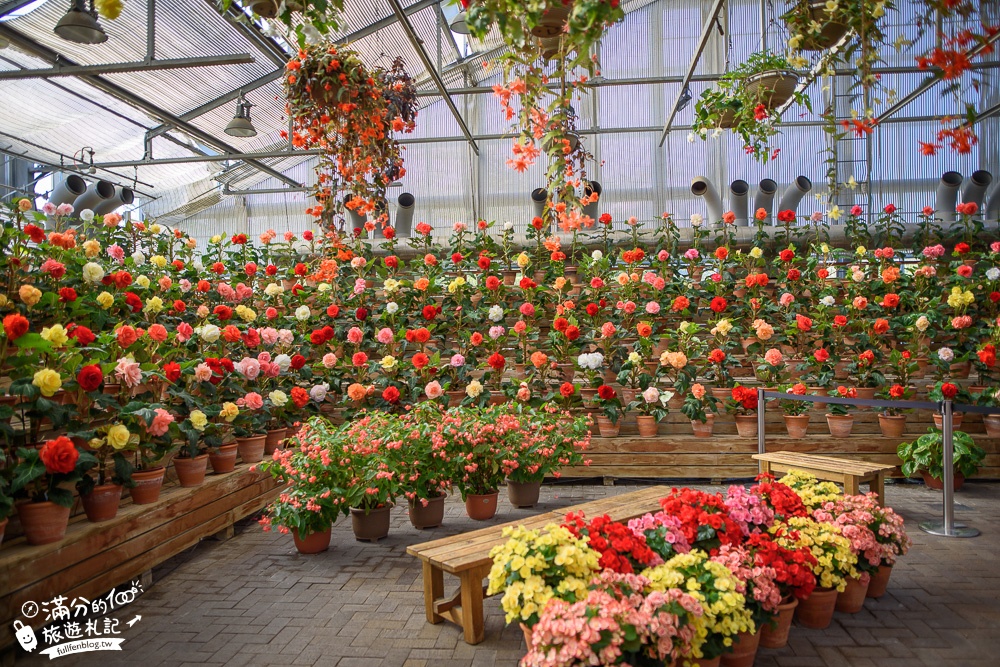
(254,601)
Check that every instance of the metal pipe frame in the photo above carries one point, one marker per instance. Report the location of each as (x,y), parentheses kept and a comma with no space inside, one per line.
(947,527)
(120,68)
(40,51)
(706,32)
(12,6)
(425,58)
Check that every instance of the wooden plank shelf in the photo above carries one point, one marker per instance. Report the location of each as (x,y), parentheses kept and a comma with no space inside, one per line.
(95,557)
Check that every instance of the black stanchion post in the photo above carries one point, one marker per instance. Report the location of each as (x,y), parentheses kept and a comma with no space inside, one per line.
(760,420)
(948,527)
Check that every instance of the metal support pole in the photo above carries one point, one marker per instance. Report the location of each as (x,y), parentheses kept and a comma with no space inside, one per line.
(760,420)
(948,527)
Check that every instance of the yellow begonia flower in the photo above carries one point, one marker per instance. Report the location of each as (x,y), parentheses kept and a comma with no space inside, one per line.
(118,436)
(55,334)
(105,300)
(229,412)
(48,382)
(198,420)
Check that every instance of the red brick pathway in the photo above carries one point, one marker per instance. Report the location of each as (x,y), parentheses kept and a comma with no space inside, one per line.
(254,601)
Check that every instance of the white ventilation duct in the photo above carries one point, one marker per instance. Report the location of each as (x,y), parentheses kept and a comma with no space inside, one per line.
(538,198)
(68,189)
(592,210)
(357,220)
(702,187)
(975,188)
(98,193)
(123,197)
(992,212)
(404,214)
(764,199)
(794,193)
(947,196)
(739,191)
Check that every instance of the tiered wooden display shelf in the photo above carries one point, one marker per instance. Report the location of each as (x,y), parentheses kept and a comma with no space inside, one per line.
(95,557)
(676,453)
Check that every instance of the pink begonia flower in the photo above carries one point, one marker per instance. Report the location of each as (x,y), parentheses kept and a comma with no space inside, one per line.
(185,285)
(774,356)
(129,372)
(243,292)
(48,208)
(161,423)
(269,335)
(253,400)
(692,254)
(652,307)
(359,285)
(527,309)
(608,330)
(523,392)
(184,332)
(202,372)
(248,367)
(226,292)
(659,284)
(270,370)
(433,389)
(596,283)
(995,246)
(384,336)
(663,255)
(629,307)
(117,253)
(964,270)
(355,336)
(329,360)
(456,361)
(496,332)
(817,216)
(648,277)
(165,283)
(860,302)
(202,312)
(856,210)
(651,395)
(786,299)
(933,251)
(520,327)
(264,357)
(716,277)
(286,337)
(64,209)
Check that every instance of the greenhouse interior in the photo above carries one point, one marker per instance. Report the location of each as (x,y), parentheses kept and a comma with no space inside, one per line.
(551,333)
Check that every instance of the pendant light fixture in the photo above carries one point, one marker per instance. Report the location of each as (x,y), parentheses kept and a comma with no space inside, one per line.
(80,24)
(458,24)
(240,125)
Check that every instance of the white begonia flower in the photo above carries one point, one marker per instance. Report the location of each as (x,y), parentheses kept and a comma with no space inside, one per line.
(392,307)
(278,398)
(922,323)
(273,289)
(697,219)
(87,215)
(324,287)
(318,393)
(209,333)
(651,395)
(474,389)
(496,313)
(198,266)
(992,273)
(508,226)
(597,255)
(828,300)
(283,361)
(138,258)
(756,253)
(635,358)
(302,313)
(716,133)
(92,272)
(946,354)
(691,137)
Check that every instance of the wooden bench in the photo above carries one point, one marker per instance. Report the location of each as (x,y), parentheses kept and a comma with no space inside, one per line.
(848,472)
(467,557)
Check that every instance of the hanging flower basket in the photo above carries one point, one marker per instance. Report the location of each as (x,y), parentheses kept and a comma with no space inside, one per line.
(773,88)
(831,29)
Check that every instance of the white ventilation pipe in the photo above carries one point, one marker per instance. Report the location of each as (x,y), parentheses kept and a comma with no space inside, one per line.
(975,188)
(123,197)
(98,193)
(992,212)
(68,189)
(764,199)
(404,214)
(357,220)
(702,187)
(794,193)
(739,191)
(947,196)
(538,198)
(591,210)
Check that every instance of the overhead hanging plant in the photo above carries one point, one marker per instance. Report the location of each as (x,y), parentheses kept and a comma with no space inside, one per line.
(549,60)
(746,101)
(308,20)
(353,114)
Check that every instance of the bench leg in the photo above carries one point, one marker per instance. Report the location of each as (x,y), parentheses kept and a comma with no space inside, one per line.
(472,606)
(851,486)
(879,487)
(433,591)
(765,467)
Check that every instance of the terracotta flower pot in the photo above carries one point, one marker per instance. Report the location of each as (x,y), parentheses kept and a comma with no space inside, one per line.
(992,424)
(191,471)
(960,370)
(840,425)
(776,635)
(455,397)
(527,635)
(481,507)
(721,393)
(865,392)
(703,429)
(509,277)
(274,440)
(147,485)
(371,525)
(676,401)
(429,516)
(893,426)
(43,523)
(746,426)
(251,449)
(101,504)
(523,494)
(313,543)
(956,420)
(706,662)
(223,460)
(647,426)
(607,428)
(880,582)
(744,650)
(852,599)
(816,611)
(796,425)
(938,484)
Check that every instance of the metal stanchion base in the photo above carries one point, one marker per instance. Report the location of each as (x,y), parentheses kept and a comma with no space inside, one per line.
(957,530)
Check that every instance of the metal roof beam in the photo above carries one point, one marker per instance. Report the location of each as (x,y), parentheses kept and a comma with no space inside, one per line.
(404,20)
(120,68)
(12,6)
(38,50)
(706,32)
